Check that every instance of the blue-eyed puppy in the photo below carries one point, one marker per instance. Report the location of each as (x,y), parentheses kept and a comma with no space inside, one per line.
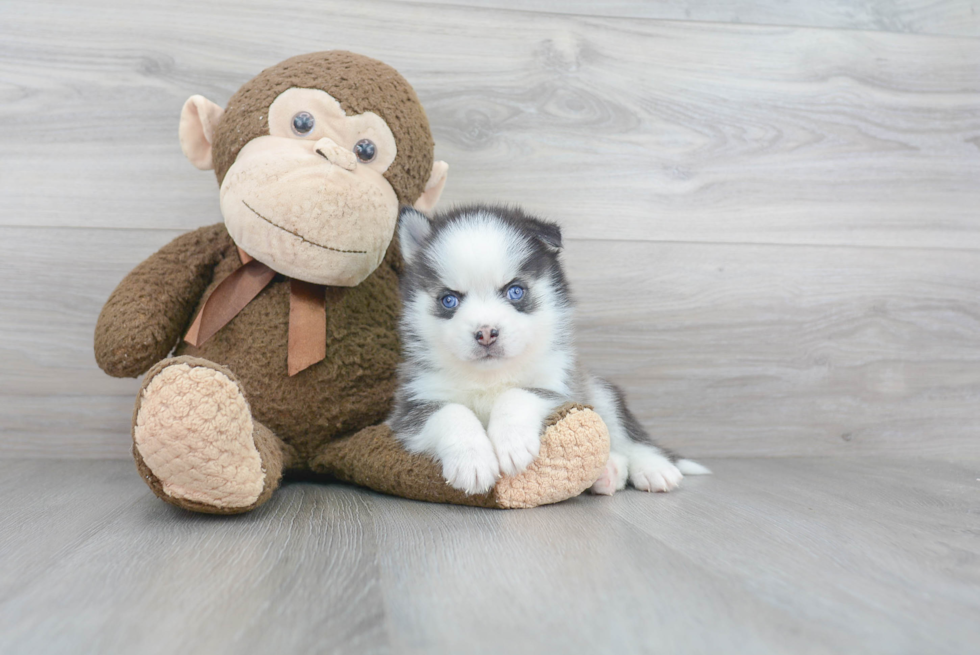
(488,349)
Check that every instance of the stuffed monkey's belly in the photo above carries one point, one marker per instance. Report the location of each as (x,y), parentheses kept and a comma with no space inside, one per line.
(352,388)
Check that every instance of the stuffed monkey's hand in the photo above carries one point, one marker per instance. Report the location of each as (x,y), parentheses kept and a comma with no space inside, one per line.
(143,318)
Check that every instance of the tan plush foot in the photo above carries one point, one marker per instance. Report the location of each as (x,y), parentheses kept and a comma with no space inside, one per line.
(194,431)
(574,450)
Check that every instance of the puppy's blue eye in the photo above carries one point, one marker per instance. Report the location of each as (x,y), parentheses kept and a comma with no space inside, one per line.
(515,292)
(450,301)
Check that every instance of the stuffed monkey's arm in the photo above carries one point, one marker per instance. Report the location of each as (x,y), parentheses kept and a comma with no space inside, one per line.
(149,310)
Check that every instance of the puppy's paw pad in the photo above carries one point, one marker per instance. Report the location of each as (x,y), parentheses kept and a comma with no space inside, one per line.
(655,474)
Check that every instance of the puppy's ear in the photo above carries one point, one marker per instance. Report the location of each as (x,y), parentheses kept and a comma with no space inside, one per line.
(547,233)
(414,228)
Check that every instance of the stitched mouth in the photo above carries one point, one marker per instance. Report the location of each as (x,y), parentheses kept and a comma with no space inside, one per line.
(301,237)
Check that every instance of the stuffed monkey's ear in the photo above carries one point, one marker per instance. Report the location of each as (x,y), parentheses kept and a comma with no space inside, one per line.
(433,188)
(414,228)
(198,119)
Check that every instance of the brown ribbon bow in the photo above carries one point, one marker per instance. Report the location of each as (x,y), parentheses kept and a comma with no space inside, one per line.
(307,312)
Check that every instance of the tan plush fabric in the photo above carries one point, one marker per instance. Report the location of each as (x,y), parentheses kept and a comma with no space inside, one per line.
(433,188)
(361,84)
(196,130)
(334,127)
(189,488)
(574,449)
(319,230)
(194,431)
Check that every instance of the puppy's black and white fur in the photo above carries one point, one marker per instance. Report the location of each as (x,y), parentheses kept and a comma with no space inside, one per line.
(487,339)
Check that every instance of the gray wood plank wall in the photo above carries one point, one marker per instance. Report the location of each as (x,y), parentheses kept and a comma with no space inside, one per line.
(773,212)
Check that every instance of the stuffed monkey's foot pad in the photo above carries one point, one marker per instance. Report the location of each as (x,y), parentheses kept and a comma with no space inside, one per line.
(193,429)
(574,450)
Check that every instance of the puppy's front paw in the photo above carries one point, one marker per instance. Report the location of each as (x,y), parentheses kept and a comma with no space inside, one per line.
(654,472)
(470,464)
(516,423)
(516,444)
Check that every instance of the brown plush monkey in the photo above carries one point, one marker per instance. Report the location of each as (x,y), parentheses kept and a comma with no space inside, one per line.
(283,319)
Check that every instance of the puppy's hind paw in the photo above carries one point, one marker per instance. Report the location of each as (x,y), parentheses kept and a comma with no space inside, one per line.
(613,476)
(651,472)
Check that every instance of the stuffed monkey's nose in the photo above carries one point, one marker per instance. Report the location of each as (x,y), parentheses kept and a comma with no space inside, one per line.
(334,154)
(486,335)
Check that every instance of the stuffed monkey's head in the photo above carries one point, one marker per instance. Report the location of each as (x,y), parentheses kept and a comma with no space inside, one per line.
(314,157)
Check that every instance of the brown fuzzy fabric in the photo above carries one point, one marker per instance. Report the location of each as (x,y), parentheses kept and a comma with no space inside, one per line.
(574,449)
(347,391)
(350,389)
(372,458)
(151,308)
(359,84)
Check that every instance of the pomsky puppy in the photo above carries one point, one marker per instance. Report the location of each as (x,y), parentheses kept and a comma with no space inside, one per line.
(486,333)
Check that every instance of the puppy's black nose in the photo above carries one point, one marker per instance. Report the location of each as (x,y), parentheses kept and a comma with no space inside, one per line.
(486,335)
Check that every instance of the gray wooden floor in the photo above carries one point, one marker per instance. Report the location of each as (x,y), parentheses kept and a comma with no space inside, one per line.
(792,555)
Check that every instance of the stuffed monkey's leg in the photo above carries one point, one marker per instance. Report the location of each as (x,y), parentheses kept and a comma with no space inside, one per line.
(195,441)
(574,449)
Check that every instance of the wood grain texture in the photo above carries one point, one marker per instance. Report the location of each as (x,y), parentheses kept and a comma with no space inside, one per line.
(794,555)
(43,522)
(772,230)
(739,350)
(622,128)
(958,17)
(723,349)
(156,579)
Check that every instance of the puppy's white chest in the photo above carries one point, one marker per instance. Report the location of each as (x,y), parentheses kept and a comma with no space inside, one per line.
(481,401)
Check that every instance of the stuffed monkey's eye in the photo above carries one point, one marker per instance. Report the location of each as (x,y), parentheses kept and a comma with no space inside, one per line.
(515,292)
(450,301)
(365,151)
(303,123)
